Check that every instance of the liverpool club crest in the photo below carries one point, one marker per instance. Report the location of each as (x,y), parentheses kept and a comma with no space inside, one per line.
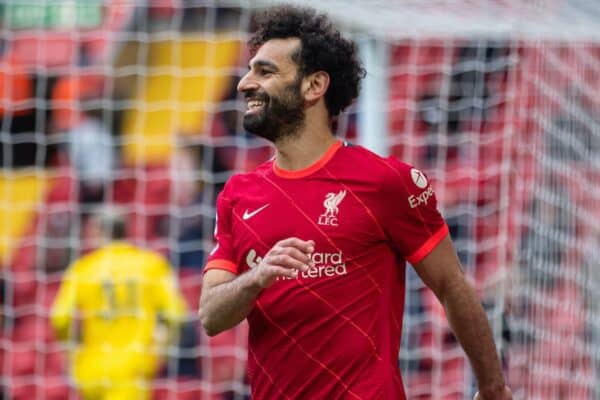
(331,204)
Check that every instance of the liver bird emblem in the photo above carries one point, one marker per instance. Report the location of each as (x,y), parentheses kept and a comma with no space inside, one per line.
(332,200)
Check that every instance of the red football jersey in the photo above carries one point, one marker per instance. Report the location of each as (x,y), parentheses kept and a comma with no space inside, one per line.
(333,332)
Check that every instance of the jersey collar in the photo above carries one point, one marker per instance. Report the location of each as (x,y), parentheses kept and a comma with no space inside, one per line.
(301,173)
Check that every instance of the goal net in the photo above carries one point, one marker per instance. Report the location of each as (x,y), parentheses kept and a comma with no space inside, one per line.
(133,103)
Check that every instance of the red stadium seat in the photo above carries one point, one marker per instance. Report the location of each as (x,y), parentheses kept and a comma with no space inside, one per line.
(147,192)
(181,389)
(418,385)
(21,360)
(190,282)
(55,360)
(32,329)
(224,363)
(24,289)
(48,292)
(40,387)
(57,388)
(22,389)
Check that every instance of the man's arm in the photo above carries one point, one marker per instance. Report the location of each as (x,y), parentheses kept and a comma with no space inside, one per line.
(440,270)
(226,298)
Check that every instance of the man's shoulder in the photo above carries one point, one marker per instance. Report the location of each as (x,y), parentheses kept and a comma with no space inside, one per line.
(363,161)
(122,249)
(140,258)
(238,182)
(88,258)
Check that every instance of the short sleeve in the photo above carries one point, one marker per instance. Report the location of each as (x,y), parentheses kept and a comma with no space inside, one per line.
(410,216)
(222,255)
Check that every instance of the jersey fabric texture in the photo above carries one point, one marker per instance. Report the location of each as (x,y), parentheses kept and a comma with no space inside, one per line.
(333,332)
(119,292)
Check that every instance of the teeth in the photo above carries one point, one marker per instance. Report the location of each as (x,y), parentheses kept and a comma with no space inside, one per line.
(255,103)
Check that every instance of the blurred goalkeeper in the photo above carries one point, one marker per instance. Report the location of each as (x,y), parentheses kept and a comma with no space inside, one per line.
(311,246)
(128,305)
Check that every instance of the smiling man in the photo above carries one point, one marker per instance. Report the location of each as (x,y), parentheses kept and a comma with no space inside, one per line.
(311,247)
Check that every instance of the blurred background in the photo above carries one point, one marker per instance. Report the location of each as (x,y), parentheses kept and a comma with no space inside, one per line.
(133,103)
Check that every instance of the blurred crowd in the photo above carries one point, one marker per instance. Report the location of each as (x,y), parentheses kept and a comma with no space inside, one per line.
(453,112)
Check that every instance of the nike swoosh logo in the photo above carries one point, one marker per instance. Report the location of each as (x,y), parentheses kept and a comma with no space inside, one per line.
(248,215)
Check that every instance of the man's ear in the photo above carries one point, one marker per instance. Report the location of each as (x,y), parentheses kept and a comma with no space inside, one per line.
(315,86)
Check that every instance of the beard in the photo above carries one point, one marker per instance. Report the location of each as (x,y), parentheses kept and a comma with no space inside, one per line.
(280,117)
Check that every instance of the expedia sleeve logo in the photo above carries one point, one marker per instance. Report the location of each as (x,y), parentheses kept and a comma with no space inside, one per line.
(418,178)
(422,198)
(420,181)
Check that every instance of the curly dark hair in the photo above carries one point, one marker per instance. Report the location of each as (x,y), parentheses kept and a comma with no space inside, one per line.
(322,49)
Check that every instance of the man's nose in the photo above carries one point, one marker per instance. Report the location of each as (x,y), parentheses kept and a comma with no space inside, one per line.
(246,83)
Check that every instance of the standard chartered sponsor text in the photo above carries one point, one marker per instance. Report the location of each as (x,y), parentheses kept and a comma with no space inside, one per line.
(323,265)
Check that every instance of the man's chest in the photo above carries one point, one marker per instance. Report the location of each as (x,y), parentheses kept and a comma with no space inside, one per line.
(341,219)
(352,253)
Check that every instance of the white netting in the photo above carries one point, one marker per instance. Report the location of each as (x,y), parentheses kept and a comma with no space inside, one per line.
(507,128)
(496,100)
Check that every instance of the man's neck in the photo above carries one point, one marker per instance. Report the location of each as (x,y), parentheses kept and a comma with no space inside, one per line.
(305,148)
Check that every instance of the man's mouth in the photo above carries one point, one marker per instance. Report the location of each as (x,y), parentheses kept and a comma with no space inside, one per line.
(254,105)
